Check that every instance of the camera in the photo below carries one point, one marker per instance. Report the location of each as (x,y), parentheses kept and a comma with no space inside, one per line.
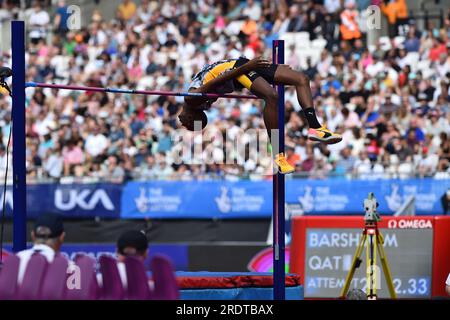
(370,208)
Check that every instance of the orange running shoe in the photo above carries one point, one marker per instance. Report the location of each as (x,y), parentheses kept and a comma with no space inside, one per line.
(324,135)
(282,163)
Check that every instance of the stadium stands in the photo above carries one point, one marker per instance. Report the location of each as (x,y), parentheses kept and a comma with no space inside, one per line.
(92,137)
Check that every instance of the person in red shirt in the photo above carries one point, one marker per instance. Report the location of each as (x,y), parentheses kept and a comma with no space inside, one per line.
(292,157)
(437,49)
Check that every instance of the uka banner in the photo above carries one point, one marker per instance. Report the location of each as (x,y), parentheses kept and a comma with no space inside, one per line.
(71,200)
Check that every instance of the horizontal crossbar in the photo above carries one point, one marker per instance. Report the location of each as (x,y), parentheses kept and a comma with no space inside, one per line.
(144,92)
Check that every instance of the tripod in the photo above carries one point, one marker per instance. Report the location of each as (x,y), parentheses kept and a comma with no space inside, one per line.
(372,235)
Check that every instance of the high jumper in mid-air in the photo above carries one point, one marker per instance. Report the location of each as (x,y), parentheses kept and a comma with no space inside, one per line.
(257,75)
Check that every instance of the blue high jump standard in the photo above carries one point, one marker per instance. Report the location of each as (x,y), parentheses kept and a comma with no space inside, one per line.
(18,135)
(279,272)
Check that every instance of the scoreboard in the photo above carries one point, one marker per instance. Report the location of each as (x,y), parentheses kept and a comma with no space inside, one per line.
(417,250)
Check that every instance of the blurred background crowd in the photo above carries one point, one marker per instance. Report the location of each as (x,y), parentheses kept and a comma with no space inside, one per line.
(389,100)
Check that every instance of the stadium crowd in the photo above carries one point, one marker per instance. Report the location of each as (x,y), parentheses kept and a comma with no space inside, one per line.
(393,115)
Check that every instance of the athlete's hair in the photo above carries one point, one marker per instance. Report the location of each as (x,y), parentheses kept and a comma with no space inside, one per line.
(192,119)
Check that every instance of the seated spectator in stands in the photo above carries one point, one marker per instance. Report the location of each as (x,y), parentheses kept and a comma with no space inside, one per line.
(147,168)
(388,106)
(252,9)
(96,143)
(53,164)
(292,157)
(308,164)
(73,155)
(423,106)
(311,69)
(427,164)
(320,169)
(437,49)
(347,161)
(297,19)
(351,119)
(126,10)
(362,166)
(412,42)
(47,236)
(112,171)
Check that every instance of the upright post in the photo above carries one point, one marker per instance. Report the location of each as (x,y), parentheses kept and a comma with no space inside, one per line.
(278,191)
(18,136)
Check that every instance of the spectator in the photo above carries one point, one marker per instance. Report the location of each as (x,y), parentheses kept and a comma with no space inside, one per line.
(292,157)
(347,161)
(308,164)
(73,155)
(54,162)
(112,171)
(332,6)
(396,12)
(437,50)
(96,143)
(296,20)
(126,10)
(38,20)
(349,22)
(47,236)
(252,10)
(61,17)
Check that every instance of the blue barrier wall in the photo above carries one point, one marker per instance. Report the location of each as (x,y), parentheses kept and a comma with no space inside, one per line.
(224,199)
(71,200)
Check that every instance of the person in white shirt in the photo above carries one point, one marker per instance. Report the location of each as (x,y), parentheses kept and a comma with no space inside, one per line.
(38,21)
(96,143)
(48,236)
(252,9)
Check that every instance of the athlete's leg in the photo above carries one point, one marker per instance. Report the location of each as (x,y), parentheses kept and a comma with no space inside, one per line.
(261,88)
(285,75)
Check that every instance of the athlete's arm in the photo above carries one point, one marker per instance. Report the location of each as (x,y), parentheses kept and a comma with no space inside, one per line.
(223,78)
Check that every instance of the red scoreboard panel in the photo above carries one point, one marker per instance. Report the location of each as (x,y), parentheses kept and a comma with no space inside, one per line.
(417,249)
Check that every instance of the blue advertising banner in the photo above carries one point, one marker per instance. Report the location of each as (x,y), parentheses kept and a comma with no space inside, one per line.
(70,200)
(340,196)
(226,199)
(196,199)
(244,199)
